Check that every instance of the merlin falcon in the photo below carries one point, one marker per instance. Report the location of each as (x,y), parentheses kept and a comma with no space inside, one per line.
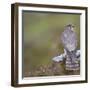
(69,42)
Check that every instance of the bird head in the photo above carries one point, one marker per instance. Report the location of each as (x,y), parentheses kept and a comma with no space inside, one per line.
(70,27)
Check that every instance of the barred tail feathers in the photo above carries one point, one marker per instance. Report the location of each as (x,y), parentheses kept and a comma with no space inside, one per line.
(71,61)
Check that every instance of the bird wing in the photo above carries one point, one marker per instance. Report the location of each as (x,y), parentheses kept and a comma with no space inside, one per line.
(59,58)
(69,40)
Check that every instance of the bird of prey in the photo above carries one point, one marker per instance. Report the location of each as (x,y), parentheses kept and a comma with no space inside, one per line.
(69,41)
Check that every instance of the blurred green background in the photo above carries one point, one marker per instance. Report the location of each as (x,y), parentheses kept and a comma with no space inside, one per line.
(41,37)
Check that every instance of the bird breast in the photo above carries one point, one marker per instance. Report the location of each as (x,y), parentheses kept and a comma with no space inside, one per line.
(69,40)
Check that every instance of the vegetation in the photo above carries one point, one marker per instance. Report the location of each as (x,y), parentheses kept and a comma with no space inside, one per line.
(42,42)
